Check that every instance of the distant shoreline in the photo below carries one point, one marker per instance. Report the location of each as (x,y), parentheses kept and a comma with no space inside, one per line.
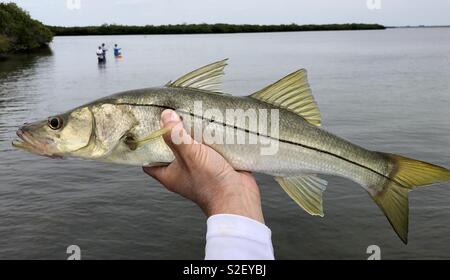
(418,26)
(219,28)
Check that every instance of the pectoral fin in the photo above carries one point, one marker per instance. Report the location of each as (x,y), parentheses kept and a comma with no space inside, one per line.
(133,143)
(306,191)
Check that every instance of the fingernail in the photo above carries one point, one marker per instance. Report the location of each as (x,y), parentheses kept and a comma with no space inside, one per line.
(168,116)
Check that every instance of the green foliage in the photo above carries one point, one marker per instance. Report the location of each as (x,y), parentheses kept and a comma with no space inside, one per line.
(19,32)
(114,29)
(4,44)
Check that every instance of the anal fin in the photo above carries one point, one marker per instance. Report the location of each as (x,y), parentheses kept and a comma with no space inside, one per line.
(306,191)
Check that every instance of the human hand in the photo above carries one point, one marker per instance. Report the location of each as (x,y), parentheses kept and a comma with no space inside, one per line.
(202,175)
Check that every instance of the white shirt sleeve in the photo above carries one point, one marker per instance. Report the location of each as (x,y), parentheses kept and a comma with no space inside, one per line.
(233,237)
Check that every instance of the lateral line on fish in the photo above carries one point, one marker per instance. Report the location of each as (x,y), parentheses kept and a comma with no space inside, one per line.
(264,135)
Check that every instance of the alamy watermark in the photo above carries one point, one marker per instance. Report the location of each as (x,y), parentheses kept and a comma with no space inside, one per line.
(214,126)
(73,4)
(373,4)
(375,252)
(74,252)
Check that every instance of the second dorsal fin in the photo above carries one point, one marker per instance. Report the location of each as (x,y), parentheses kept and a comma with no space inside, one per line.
(292,93)
(205,78)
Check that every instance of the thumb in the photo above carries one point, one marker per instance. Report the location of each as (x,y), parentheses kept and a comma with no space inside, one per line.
(178,140)
(160,173)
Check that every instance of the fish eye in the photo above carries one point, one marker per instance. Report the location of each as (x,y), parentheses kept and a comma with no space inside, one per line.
(55,123)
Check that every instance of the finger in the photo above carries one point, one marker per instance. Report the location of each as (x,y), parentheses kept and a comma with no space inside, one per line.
(178,140)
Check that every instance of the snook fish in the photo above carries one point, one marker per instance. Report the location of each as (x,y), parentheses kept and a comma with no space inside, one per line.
(125,128)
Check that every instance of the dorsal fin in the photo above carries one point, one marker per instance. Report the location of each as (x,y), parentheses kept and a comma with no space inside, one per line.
(205,78)
(292,93)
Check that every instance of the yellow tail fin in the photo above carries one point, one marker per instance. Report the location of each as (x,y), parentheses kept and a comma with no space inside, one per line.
(406,174)
(414,173)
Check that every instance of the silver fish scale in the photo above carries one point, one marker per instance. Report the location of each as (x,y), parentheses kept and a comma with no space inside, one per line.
(303,148)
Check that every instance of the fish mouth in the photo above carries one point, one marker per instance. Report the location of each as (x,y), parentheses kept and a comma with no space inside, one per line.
(26,142)
(23,142)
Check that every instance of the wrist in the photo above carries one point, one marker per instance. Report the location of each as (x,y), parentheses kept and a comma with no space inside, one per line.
(237,201)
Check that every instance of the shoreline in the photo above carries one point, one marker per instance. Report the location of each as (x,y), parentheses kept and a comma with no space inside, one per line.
(19,32)
(70,31)
(219,28)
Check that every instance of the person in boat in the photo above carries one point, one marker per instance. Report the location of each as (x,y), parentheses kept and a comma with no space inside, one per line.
(117,52)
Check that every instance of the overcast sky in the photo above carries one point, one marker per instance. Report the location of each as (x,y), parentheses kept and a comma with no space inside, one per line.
(140,12)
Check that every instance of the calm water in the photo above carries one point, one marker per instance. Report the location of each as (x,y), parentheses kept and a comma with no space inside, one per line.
(386,90)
